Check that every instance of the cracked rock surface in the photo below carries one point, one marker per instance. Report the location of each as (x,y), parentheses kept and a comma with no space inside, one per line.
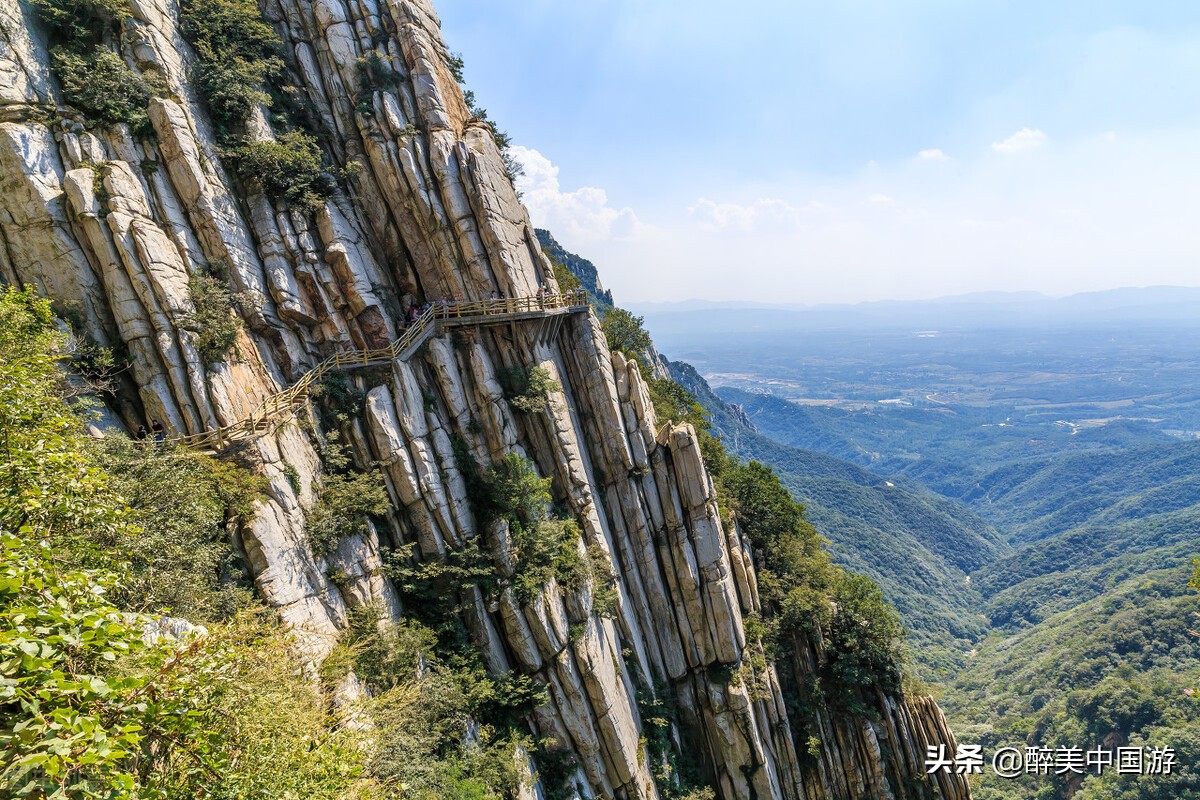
(114,227)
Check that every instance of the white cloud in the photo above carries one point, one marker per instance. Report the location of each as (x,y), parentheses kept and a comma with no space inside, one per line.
(1092,215)
(933,154)
(583,215)
(765,212)
(1022,140)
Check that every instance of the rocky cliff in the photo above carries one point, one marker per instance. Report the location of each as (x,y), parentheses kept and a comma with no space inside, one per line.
(115,226)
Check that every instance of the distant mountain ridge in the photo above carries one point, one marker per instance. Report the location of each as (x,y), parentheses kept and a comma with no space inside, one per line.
(1153,304)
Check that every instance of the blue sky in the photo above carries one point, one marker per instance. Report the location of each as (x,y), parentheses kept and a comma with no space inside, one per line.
(816,152)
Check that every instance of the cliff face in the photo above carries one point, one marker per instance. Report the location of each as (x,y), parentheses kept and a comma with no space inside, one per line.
(113,227)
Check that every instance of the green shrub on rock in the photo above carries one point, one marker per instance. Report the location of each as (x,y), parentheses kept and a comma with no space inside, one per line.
(238,55)
(214,321)
(626,332)
(346,501)
(102,85)
(527,388)
(374,75)
(82,24)
(285,169)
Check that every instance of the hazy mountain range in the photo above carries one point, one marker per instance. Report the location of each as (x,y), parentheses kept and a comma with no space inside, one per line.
(1173,304)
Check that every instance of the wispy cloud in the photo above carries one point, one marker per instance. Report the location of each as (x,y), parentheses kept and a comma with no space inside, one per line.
(901,230)
(1022,140)
(583,215)
(763,213)
(933,154)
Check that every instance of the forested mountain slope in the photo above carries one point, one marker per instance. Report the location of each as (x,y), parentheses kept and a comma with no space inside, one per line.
(919,547)
(1089,617)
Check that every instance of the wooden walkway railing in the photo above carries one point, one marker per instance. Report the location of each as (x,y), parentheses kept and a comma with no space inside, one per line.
(443,314)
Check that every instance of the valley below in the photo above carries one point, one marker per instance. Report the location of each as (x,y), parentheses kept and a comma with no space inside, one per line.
(1026,493)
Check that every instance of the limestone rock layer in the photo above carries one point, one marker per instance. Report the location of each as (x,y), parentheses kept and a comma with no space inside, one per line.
(113,227)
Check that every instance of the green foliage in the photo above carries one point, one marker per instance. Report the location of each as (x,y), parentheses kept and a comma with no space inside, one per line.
(454,63)
(603,581)
(233,89)
(214,321)
(764,507)
(71,724)
(1119,667)
(804,593)
(515,491)
(102,85)
(626,333)
(434,584)
(543,547)
(345,503)
(673,403)
(566,280)
(863,642)
(272,734)
(98,365)
(228,29)
(238,55)
(556,766)
(184,506)
(160,517)
(340,400)
(674,772)
(293,476)
(87,707)
(239,63)
(83,24)
(375,74)
(46,481)
(527,388)
(94,77)
(427,695)
(288,169)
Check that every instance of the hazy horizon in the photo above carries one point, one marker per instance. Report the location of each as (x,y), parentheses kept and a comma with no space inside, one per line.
(982,296)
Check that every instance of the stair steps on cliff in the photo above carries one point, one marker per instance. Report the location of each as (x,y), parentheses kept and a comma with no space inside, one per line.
(547,309)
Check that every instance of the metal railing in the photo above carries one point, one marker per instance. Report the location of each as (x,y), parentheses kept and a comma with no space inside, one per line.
(448,313)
